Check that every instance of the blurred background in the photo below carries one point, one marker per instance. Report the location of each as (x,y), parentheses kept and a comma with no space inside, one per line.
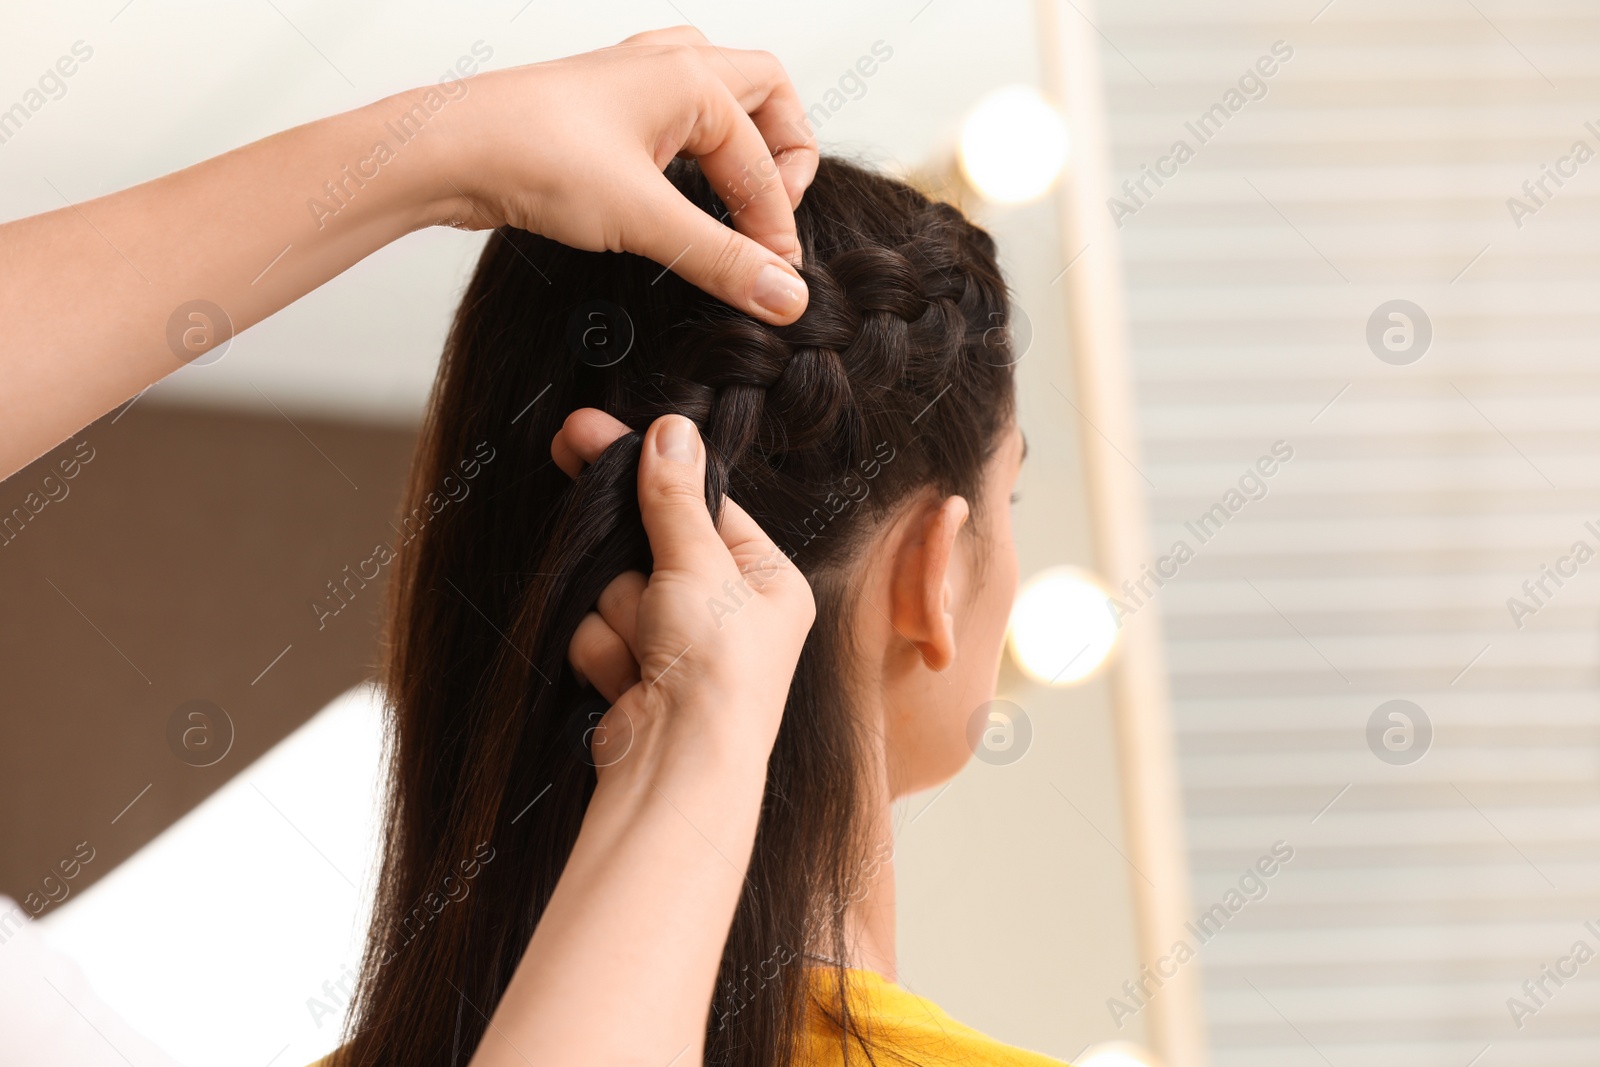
(1419,160)
(1303,678)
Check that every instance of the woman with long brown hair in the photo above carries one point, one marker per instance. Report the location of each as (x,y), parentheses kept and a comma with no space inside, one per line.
(672,799)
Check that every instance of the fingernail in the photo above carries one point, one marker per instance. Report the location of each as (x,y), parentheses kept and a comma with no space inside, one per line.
(779,292)
(677,440)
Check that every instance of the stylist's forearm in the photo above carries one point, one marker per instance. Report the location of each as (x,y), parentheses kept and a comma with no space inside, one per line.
(623,963)
(91,289)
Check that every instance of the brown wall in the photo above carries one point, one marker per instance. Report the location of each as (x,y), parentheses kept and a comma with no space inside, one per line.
(174,566)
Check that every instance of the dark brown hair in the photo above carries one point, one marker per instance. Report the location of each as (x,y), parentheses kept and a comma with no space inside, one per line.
(897,379)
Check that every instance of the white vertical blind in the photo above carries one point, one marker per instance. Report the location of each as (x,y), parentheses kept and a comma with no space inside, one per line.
(1375,164)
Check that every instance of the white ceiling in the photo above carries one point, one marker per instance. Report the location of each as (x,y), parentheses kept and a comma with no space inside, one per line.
(172,82)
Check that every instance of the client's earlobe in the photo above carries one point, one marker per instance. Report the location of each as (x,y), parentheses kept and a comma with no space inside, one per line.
(923,591)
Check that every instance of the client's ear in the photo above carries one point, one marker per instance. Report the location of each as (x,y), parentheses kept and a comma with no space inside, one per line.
(921,591)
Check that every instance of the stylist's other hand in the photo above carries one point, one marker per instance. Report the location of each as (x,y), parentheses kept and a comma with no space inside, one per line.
(704,649)
(574,149)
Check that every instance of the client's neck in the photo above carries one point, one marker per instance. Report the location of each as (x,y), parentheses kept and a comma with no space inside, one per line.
(869,918)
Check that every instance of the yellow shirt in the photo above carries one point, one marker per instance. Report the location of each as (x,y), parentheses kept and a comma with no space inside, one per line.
(902,1027)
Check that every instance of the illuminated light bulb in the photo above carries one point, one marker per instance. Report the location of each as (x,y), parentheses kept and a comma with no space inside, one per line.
(1013,145)
(1115,1054)
(1062,627)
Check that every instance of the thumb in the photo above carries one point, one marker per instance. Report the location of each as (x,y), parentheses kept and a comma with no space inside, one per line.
(672,497)
(714,257)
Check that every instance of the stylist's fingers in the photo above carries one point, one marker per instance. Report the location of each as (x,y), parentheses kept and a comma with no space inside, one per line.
(602,658)
(586,433)
(764,567)
(709,255)
(736,161)
(672,499)
(763,90)
(619,606)
(582,437)
(747,542)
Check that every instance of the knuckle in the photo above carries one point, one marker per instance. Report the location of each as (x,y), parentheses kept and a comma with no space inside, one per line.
(581,651)
(620,592)
(583,646)
(685,58)
(766,59)
(796,591)
(678,492)
(777,578)
(805,599)
(727,258)
(678,68)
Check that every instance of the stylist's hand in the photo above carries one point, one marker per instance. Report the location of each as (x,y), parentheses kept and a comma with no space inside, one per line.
(703,650)
(574,149)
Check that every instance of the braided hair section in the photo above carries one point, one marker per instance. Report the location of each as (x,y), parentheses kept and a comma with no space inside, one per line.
(895,323)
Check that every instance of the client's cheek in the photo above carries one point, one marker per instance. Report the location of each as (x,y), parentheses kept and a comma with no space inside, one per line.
(1004,593)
